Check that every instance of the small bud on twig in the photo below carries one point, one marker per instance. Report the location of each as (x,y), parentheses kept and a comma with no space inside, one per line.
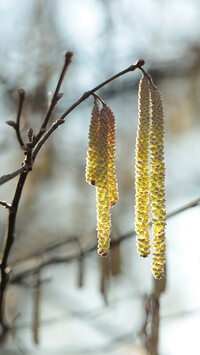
(30,133)
(12,124)
(140,63)
(59,96)
(68,55)
(60,121)
(21,92)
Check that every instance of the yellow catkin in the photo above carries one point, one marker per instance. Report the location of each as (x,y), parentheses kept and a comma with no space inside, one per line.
(92,154)
(103,205)
(157,183)
(142,170)
(112,180)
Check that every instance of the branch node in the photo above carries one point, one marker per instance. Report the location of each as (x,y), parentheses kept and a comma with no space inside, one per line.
(140,63)
(68,55)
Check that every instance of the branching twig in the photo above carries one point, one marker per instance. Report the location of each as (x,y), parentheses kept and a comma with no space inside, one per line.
(16,125)
(56,97)
(8,241)
(6,178)
(21,93)
(85,96)
(5,204)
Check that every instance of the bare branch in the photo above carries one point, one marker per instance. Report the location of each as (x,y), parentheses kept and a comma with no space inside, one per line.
(85,96)
(55,98)
(7,177)
(5,204)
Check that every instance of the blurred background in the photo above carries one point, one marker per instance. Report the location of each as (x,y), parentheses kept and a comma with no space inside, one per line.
(80,303)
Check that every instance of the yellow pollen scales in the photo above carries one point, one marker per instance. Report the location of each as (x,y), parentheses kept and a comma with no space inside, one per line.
(92,146)
(150,145)
(157,183)
(101,170)
(142,170)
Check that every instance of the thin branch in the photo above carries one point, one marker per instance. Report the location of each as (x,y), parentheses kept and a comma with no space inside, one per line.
(85,96)
(6,178)
(8,241)
(36,312)
(21,93)
(55,98)
(5,204)
(16,124)
(60,121)
(46,136)
(50,248)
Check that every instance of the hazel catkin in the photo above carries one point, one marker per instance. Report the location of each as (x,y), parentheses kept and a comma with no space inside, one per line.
(142,169)
(92,155)
(157,189)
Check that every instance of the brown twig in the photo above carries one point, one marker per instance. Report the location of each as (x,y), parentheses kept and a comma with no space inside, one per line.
(5,204)
(85,96)
(55,98)
(16,124)
(21,93)
(6,178)
(8,241)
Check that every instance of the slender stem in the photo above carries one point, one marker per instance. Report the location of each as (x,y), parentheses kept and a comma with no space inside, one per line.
(91,92)
(21,93)
(5,204)
(9,239)
(85,96)
(56,124)
(6,178)
(55,98)
(46,136)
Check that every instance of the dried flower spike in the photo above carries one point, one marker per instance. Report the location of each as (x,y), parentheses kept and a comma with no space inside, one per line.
(103,206)
(92,154)
(157,182)
(142,169)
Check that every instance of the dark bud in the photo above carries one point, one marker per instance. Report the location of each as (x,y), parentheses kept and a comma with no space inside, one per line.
(60,121)
(12,124)
(140,63)
(21,92)
(30,132)
(59,96)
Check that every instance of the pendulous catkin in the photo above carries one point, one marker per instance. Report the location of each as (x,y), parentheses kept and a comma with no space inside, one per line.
(150,175)
(112,180)
(157,182)
(102,197)
(91,164)
(100,170)
(142,169)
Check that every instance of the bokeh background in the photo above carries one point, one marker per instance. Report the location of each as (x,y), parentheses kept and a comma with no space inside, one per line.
(90,305)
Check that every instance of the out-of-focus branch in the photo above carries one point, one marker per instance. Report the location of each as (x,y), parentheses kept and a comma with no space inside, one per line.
(86,251)
(36,313)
